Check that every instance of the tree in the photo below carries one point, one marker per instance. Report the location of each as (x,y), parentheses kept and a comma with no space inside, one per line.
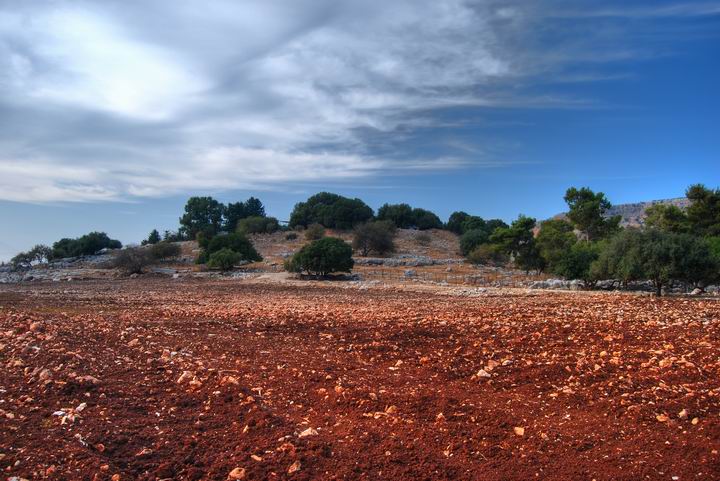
(587,213)
(405,217)
(202,214)
(236,242)
(237,211)
(703,213)
(471,239)
(474,222)
(86,245)
(254,208)
(322,257)
(455,222)
(132,260)
(425,220)
(258,225)
(555,239)
(518,242)
(234,213)
(492,224)
(153,237)
(577,262)
(224,259)
(330,210)
(667,217)
(695,262)
(377,236)
(399,214)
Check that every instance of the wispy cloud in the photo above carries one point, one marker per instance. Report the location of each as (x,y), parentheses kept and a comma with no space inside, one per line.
(123,99)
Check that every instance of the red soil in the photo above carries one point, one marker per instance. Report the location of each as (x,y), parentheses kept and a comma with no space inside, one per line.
(306,382)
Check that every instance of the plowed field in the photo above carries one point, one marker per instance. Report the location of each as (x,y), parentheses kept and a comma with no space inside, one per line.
(211,380)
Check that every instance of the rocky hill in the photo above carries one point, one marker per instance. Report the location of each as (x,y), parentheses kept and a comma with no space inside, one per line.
(633,215)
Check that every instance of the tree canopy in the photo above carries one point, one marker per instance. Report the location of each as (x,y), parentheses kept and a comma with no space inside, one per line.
(330,210)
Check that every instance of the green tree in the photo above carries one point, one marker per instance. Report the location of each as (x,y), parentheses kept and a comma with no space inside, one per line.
(202,214)
(471,239)
(322,257)
(577,262)
(254,208)
(236,242)
(587,213)
(86,245)
(455,222)
(224,259)
(399,214)
(703,213)
(667,217)
(555,239)
(425,220)
(518,242)
(330,210)
(153,237)
(237,211)
(474,222)
(258,225)
(375,236)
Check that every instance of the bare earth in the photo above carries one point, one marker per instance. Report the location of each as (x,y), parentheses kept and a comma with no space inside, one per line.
(205,379)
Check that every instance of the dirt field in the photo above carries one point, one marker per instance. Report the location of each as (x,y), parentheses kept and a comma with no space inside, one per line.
(196,379)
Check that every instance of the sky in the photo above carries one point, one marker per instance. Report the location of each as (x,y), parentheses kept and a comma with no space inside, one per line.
(114,112)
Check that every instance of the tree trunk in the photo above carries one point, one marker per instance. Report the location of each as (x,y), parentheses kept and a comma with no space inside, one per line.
(658,288)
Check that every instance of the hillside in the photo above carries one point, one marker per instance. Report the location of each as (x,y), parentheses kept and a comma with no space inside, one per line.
(633,214)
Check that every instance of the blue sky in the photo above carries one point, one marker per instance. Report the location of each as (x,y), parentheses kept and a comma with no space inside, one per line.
(113,113)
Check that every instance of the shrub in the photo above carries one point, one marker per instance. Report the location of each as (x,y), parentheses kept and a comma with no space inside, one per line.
(38,254)
(322,257)
(153,238)
(554,240)
(89,244)
(423,239)
(405,217)
(314,232)
(164,250)
(375,236)
(132,260)
(470,240)
(577,262)
(488,254)
(291,236)
(224,259)
(330,210)
(455,222)
(235,242)
(258,225)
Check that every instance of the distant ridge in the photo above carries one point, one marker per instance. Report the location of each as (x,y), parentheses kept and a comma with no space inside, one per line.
(633,215)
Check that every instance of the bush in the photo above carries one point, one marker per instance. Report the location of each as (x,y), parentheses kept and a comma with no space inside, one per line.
(258,225)
(224,259)
(423,239)
(455,222)
(470,240)
(87,245)
(405,217)
(235,242)
(577,262)
(332,211)
(164,250)
(132,260)
(38,254)
(291,236)
(322,257)
(555,239)
(488,254)
(375,236)
(314,232)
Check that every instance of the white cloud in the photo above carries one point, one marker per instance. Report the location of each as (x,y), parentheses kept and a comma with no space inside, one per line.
(119,99)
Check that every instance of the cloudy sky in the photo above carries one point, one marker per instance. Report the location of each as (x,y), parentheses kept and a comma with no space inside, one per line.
(113,112)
